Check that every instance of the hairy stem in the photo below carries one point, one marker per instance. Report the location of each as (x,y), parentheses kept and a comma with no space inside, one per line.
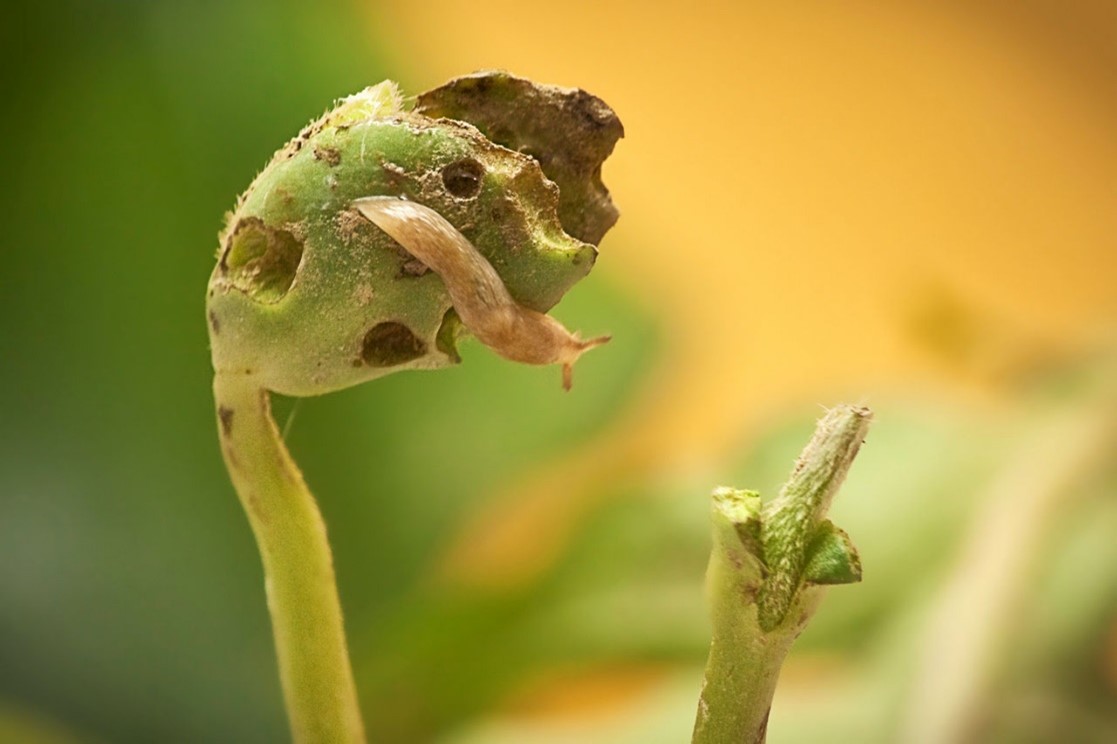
(791,519)
(744,662)
(765,579)
(299,579)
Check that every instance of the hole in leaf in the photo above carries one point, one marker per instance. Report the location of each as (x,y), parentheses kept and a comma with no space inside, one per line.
(261,261)
(463,178)
(390,343)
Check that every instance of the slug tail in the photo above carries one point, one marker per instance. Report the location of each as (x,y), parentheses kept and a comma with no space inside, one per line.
(577,348)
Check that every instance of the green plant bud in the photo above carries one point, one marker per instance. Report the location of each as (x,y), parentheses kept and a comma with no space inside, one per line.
(310,296)
(768,567)
(831,557)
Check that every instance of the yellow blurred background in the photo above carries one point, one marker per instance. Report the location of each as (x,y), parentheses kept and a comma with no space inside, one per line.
(818,199)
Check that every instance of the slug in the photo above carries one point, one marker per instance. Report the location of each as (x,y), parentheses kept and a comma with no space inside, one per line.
(476,291)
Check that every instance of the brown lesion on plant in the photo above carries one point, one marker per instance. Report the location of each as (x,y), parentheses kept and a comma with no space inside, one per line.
(351,225)
(363,294)
(330,155)
(505,214)
(214,323)
(389,344)
(567,131)
(296,143)
(396,177)
(225,415)
(410,267)
(261,261)
(762,732)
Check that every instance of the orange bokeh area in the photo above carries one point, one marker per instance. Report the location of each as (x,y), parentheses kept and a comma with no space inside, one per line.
(818,200)
(805,188)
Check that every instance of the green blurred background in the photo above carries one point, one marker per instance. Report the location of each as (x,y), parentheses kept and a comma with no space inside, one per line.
(911,206)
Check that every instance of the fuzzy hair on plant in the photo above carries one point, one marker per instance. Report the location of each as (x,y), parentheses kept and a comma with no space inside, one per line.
(768,568)
(370,244)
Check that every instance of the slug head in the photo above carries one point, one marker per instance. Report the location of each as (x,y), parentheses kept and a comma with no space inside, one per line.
(309,296)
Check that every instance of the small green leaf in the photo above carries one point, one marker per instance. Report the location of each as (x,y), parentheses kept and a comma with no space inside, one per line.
(831,557)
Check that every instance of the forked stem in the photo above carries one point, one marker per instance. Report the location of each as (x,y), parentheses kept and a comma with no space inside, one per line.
(744,662)
(767,571)
(299,579)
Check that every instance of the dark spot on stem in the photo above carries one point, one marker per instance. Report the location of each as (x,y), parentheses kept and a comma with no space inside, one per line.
(390,343)
(463,178)
(762,734)
(225,414)
(214,323)
(409,266)
(412,267)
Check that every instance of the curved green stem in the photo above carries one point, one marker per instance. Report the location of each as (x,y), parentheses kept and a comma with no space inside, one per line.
(314,668)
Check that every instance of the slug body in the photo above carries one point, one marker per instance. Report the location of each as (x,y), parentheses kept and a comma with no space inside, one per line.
(478,294)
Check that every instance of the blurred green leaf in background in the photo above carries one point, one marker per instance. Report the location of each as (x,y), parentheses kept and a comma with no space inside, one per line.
(131,602)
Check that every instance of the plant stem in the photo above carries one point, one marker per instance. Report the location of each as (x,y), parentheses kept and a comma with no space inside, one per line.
(744,662)
(790,521)
(764,580)
(299,579)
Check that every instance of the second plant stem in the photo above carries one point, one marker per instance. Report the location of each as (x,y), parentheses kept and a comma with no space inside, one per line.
(745,660)
(314,669)
(765,578)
